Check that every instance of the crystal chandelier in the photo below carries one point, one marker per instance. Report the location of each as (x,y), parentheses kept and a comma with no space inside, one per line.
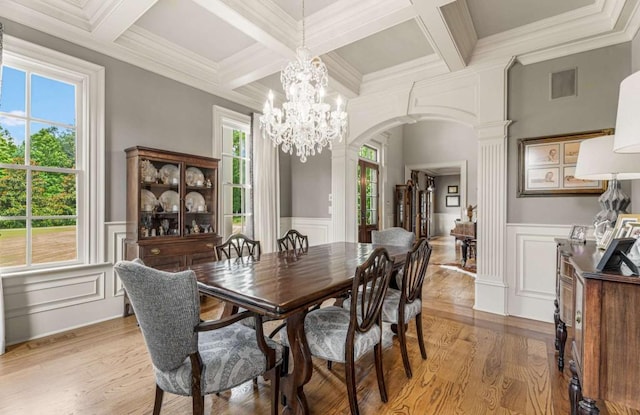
(305,121)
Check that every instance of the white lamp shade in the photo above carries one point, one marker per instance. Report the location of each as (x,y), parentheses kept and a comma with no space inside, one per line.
(628,119)
(597,161)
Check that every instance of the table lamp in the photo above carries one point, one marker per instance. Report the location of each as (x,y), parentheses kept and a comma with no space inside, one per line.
(598,161)
(628,120)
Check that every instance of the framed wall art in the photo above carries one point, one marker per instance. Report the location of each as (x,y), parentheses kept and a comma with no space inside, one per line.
(452,201)
(547,165)
(452,189)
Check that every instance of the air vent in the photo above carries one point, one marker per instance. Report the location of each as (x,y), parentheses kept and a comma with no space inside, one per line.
(564,84)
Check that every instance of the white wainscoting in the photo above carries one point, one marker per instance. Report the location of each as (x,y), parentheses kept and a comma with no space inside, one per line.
(40,303)
(531,269)
(317,229)
(443,223)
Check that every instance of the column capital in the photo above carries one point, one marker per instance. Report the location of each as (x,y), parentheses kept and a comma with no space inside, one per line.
(492,129)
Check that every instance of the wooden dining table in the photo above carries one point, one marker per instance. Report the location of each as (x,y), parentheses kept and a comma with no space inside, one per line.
(284,285)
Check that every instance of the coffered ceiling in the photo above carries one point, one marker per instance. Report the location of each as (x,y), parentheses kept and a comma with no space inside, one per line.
(236,48)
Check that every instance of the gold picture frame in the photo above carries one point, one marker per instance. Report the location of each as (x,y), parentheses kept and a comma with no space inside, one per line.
(546,165)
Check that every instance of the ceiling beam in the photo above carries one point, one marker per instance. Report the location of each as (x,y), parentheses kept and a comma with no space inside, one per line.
(119,17)
(434,25)
(261,20)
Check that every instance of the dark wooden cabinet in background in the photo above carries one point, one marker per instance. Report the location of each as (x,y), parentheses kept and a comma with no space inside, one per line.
(606,330)
(172,203)
(405,213)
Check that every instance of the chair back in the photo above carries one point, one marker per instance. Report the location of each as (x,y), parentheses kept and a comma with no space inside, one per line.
(393,236)
(369,288)
(293,240)
(238,245)
(168,309)
(415,269)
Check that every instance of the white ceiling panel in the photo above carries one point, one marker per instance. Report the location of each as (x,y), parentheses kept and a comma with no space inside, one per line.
(390,47)
(495,16)
(294,7)
(190,26)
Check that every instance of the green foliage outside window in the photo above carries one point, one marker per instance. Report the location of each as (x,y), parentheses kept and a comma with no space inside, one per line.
(53,194)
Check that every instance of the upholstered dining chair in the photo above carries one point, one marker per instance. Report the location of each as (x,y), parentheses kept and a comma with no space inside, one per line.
(344,335)
(293,240)
(238,245)
(404,304)
(192,357)
(394,236)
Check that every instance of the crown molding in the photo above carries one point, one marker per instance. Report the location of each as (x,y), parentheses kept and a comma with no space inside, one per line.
(412,71)
(249,65)
(586,21)
(60,11)
(347,78)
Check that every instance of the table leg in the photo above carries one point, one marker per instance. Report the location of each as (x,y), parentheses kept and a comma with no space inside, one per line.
(464,248)
(293,383)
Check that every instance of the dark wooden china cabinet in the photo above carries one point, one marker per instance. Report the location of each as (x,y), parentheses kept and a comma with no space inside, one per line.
(172,203)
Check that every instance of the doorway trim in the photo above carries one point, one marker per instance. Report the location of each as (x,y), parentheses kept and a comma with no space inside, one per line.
(462,164)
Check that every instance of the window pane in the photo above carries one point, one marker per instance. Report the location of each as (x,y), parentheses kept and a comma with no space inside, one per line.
(12,134)
(368,153)
(236,200)
(237,224)
(53,100)
(13,243)
(53,194)
(53,241)
(52,146)
(235,171)
(13,192)
(14,96)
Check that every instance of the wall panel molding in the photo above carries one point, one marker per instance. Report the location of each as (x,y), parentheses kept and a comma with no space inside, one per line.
(531,267)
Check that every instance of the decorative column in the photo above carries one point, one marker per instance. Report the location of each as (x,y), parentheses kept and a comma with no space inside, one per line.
(491,127)
(491,288)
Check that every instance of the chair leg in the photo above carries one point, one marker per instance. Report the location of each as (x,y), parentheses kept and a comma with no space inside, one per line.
(423,351)
(198,404)
(275,390)
(329,364)
(402,338)
(158,402)
(377,352)
(350,379)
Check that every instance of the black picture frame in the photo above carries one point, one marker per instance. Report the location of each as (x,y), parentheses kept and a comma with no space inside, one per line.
(452,201)
(452,189)
(616,255)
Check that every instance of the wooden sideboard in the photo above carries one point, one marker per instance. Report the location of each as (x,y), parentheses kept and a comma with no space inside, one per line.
(605,317)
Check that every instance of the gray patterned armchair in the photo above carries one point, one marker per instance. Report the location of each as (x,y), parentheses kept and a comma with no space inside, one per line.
(190,357)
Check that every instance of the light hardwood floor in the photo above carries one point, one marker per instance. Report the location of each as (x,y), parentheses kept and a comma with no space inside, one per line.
(477,363)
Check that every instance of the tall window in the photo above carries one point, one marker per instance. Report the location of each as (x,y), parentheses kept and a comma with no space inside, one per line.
(237,180)
(367,192)
(45,166)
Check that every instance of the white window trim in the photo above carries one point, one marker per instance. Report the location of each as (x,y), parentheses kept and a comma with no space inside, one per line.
(91,100)
(221,117)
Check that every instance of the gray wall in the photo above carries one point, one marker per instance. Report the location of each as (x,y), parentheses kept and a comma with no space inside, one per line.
(599,73)
(311,185)
(441,142)
(441,183)
(141,108)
